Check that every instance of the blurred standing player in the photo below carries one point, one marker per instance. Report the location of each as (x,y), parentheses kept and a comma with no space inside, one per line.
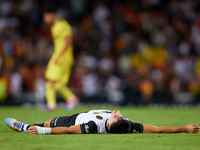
(59,66)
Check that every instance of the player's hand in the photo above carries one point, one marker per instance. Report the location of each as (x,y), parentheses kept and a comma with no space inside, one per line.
(33,130)
(192,128)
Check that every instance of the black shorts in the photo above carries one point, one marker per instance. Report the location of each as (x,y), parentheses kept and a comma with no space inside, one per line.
(65,121)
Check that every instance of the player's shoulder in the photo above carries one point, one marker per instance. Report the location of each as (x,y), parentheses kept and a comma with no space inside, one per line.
(101,111)
(89,127)
(63,23)
(60,24)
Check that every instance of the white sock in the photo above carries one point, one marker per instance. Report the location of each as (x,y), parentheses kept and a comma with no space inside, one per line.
(25,128)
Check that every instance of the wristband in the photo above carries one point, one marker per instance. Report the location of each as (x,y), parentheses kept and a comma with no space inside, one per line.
(43,130)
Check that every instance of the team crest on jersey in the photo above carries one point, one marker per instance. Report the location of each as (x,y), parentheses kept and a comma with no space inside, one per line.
(99,117)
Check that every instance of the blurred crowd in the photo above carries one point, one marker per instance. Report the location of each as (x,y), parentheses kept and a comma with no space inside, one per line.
(123,49)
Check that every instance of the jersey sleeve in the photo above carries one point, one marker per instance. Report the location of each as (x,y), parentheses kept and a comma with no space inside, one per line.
(136,127)
(64,29)
(89,127)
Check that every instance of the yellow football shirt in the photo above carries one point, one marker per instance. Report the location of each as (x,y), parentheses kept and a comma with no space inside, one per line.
(59,66)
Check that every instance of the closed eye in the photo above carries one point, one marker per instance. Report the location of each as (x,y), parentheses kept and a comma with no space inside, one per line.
(116,117)
(119,117)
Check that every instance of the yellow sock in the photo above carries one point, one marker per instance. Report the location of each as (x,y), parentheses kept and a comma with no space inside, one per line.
(50,94)
(64,91)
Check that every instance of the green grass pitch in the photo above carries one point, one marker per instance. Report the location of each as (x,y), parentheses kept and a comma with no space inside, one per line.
(10,139)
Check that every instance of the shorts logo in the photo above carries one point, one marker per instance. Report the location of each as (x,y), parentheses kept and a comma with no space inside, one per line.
(56,121)
(134,131)
(86,128)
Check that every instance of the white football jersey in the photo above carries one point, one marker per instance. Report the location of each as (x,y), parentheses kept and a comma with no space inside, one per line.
(98,116)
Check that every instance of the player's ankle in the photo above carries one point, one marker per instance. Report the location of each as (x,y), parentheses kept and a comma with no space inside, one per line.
(52,107)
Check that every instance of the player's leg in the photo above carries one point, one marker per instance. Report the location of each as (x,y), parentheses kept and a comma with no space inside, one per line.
(65,121)
(67,94)
(15,124)
(61,87)
(45,124)
(59,121)
(64,91)
(51,75)
(51,96)
(23,127)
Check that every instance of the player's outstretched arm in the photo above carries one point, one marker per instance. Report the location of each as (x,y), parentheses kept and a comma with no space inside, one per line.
(35,130)
(191,128)
(76,129)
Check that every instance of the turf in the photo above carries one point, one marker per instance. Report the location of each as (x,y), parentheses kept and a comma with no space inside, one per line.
(10,139)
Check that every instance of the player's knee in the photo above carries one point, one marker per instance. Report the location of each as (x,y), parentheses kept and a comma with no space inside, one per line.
(49,85)
(59,86)
(47,123)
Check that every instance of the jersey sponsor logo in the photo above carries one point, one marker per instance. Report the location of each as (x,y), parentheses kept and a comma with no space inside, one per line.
(99,117)
(86,128)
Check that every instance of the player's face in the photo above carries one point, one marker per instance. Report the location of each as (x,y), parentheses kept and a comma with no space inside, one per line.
(48,18)
(116,115)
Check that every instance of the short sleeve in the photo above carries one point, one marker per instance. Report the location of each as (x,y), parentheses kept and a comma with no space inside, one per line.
(61,29)
(65,29)
(136,127)
(89,127)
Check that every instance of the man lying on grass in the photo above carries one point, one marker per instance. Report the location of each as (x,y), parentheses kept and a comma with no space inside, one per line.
(95,121)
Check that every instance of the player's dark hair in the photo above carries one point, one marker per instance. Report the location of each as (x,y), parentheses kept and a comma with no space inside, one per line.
(50,9)
(120,126)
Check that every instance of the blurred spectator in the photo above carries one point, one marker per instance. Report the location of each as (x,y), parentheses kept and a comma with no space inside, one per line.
(127,51)
(113,89)
(40,87)
(146,89)
(0,62)
(3,90)
(90,84)
(4,83)
(15,84)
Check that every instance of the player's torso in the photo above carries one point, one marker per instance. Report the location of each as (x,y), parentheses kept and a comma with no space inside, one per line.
(60,30)
(98,116)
